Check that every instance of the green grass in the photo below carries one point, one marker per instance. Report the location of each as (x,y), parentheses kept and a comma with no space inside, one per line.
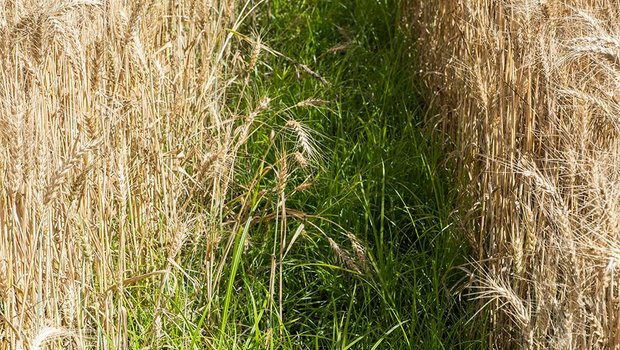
(383,177)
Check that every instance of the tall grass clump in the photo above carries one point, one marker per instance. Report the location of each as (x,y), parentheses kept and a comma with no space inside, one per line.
(121,127)
(528,93)
(383,278)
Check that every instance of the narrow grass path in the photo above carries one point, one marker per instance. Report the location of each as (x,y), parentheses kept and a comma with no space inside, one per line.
(357,250)
(383,183)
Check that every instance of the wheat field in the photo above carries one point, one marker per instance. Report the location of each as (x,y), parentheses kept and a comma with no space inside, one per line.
(118,143)
(528,93)
(139,175)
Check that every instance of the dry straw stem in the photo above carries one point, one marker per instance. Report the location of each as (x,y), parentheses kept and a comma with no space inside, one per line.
(104,108)
(527,92)
(259,46)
